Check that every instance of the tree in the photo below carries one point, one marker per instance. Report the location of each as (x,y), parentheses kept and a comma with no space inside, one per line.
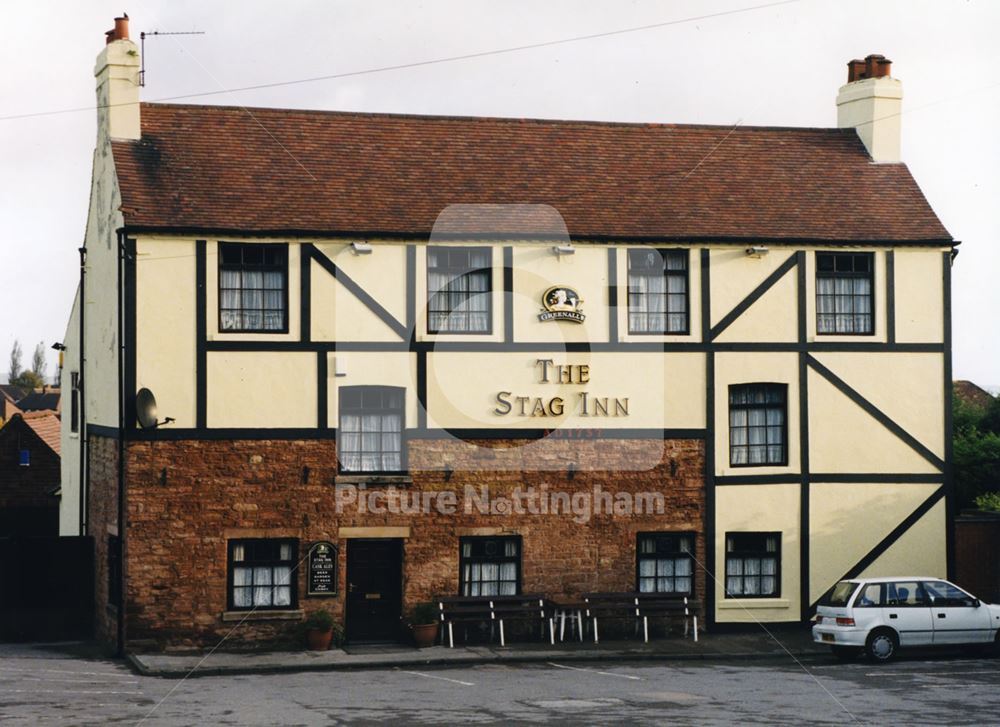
(976,450)
(33,378)
(15,362)
(38,364)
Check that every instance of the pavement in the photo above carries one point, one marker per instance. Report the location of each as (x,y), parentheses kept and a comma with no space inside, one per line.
(756,644)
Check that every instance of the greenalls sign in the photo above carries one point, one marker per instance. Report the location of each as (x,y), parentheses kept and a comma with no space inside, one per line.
(584,403)
(561,304)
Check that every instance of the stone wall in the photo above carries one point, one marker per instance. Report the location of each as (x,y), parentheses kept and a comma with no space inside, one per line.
(102,523)
(186,499)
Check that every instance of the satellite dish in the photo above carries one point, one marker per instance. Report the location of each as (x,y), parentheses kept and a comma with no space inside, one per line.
(145,409)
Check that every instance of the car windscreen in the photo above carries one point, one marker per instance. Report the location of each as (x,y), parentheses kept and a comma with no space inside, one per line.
(839,595)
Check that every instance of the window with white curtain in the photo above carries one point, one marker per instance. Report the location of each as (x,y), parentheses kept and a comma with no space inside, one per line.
(253,287)
(490,566)
(664,562)
(657,291)
(261,574)
(758,416)
(753,565)
(370,435)
(459,289)
(844,303)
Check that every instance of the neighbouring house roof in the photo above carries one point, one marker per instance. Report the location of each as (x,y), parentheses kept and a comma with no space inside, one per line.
(47,426)
(230,169)
(47,400)
(12,393)
(972,395)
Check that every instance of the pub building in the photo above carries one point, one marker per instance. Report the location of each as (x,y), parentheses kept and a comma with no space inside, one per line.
(357,361)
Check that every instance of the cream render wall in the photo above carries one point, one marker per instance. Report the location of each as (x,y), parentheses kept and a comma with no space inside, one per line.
(879,299)
(919,298)
(250,389)
(69,458)
(759,508)
(368,368)
(166,351)
(754,368)
(846,521)
(663,390)
(921,551)
(212,292)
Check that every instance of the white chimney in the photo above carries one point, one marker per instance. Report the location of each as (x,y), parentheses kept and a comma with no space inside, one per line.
(117,73)
(871,102)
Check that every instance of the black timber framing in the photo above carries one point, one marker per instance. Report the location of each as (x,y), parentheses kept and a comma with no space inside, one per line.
(305,292)
(806,350)
(949,479)
(360,293)
(709,517)
(804,479)
(755,295)
(508,294)
(129,344)
(201,332)
(875,412)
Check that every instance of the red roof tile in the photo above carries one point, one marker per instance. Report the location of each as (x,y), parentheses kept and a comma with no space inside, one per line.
(271,170)
(47,426)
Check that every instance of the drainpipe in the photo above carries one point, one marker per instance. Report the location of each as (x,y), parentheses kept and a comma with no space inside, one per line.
(122,254)
(81,386)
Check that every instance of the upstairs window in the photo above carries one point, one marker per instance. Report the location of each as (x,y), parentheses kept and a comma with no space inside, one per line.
(490,566)
(459,289)
(758,428)
(253,288)
(844,285)
(370,435)
(752,565)
(260,574)
(664,563)
(657,291)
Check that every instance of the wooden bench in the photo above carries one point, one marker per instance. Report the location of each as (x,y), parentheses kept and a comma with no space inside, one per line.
(494,610)
(641,606)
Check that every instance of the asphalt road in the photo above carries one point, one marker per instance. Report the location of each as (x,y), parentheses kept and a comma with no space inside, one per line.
(47,686)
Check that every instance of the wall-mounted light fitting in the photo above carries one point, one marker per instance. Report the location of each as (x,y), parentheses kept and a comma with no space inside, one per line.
(560,250)
(757,251)
(58,346)
(361,248)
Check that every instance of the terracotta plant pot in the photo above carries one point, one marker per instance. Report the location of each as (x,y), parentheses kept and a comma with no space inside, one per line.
(319,640)
(424,635)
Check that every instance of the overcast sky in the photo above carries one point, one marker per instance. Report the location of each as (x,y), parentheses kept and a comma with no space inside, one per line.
(777,65)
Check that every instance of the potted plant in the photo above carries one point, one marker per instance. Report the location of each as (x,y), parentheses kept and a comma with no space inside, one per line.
(424,624)
(319,627)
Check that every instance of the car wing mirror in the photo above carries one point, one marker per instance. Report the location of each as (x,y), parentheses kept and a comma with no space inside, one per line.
(976,603)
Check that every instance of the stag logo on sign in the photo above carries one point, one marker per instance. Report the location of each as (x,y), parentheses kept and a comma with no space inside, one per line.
(561,304)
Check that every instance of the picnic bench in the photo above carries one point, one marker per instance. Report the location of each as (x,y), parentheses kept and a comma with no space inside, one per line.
(641,607)
(531,608)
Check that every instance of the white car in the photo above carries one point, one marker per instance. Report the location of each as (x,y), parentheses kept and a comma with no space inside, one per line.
(879,615)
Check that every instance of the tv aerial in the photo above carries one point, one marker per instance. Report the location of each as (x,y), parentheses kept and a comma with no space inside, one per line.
(142,47)
(145,410)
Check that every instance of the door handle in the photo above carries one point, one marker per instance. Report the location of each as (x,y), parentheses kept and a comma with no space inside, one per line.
(350,588)
(942,615)
(892,615)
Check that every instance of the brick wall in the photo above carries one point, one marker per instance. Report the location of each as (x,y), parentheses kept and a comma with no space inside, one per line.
(186,499)
(102,522)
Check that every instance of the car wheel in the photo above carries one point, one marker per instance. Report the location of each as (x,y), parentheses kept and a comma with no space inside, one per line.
(881,645)
(845,653)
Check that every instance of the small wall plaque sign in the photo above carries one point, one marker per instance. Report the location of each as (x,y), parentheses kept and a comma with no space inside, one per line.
(322,569)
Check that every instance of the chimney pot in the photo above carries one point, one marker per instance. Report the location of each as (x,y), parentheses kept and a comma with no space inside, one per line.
(870,102)
(873,66)
(120,31)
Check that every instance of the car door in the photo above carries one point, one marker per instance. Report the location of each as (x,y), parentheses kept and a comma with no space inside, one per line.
(958,617)
(908,612)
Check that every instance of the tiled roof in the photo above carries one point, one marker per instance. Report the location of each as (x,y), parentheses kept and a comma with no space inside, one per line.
(40,401)
(228,169)
(971,394)
(47,426)
(11,392)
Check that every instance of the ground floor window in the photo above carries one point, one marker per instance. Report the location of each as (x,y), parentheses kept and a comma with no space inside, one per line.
(261,574)
(752,565)
(664,562)
(490,566)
